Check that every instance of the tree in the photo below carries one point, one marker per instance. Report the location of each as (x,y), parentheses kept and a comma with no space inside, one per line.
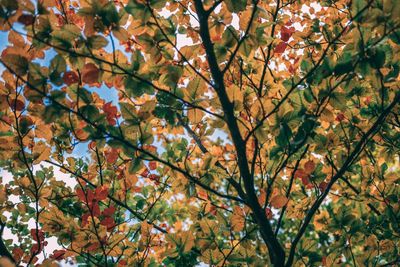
(230,133)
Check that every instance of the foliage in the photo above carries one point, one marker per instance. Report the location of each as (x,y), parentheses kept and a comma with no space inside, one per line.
(241,132)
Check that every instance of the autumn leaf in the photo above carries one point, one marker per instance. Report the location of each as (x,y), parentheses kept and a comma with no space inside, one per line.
(111,155)
(237,219)
(90,73)
(309,166)
(152,165)
(81,194)
(101,193)
(26,19)
(58,254)
(278,201)
(70,77)
(280,48)
(286,33)
(187,133)
(111,113)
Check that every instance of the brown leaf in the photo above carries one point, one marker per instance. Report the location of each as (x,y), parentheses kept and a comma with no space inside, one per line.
(90,73)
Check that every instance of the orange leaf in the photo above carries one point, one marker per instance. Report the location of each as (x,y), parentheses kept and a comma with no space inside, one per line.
(279,201)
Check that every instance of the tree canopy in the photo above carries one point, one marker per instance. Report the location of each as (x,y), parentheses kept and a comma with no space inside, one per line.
(211,132)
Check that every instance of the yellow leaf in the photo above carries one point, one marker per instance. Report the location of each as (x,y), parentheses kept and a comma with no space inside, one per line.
(195,115)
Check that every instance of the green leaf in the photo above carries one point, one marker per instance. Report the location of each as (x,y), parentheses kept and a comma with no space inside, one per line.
(57,66)
(138,10)
(377,58)
(344,65)
(236,6)
(285,133)
(17,63)
(97,41)
(90,112)
(136,87)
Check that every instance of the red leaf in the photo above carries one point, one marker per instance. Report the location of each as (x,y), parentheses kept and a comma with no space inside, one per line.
(309,166)
(305,180)
(92,145)
(90,196)
(340,117)
(17,253)
(286,33)
(95,209)
(17,105)
(111,113)
(108,222)
(90,73)
(57,254)
(93,246)
(81,194)
(145,173)
(101,193)
(153,165)
(26,19)
(280,48)
(111,155)
(300,173)
(109,211)
(322,186)
(70,77)
(154,177)
(268,213)
(122,263)
(35,233)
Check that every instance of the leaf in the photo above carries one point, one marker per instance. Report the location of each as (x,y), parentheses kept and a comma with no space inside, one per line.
(70,77)
(280,48)
(26,19)
(90,73)
(236,6)
(344,65)
(309,166)
(81,194)
(111,155)
(111,113)
(278,201)
(101,192)
(286,33)
(97,41)
(237,219)
(18,63)
(41,152)
(300,173)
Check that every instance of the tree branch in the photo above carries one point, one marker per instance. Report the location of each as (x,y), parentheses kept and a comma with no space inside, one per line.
(353,156)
